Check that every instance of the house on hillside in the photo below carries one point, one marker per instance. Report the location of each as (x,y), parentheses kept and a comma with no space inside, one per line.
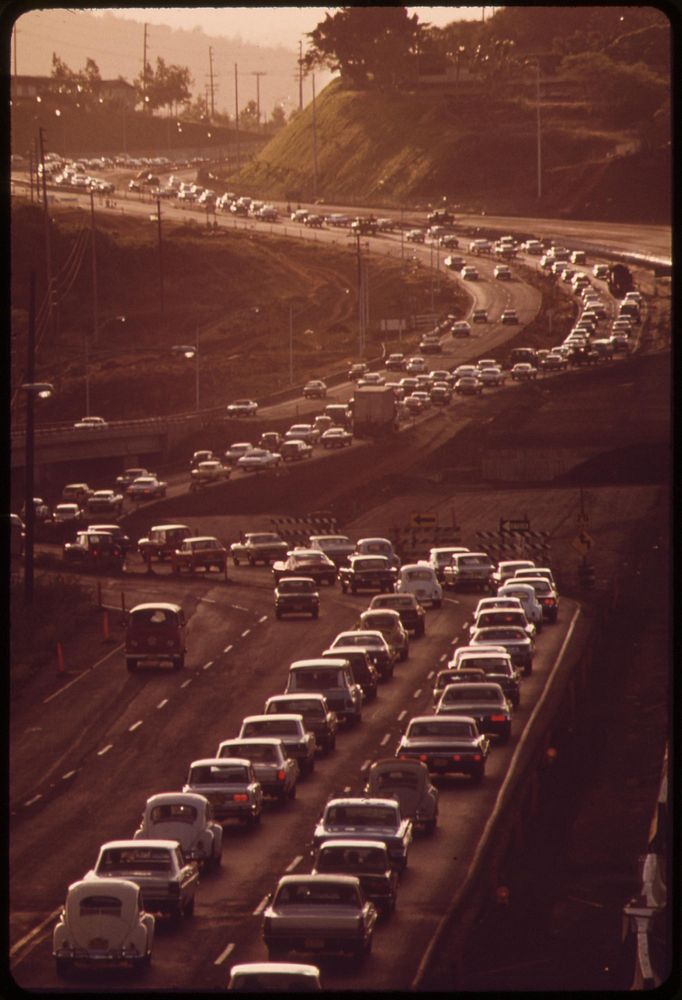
(31,88)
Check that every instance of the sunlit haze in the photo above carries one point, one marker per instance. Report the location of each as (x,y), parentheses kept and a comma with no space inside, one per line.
(269,26)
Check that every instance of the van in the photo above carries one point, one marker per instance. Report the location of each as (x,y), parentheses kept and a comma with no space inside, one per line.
(420,579)
(331,677)
(154,633)
(340,414)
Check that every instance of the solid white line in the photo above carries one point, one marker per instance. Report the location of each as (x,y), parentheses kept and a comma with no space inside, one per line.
(261,906)
(66,686)
(207,665)
(294,864)
(69,774)
(106,749)
(417,693)
(36,930)
(135,725)
(245,633)
(263,619)
(185,683)
(384,740)
(402,715)
(34,799)
(162,703)
(223,954)
(227,649)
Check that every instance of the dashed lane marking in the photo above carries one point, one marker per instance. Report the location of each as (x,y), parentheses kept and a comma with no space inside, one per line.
(224,954)
(135,725)
(384,740)
(443,657)
(402,715)
(261,906)
(294,864)
(207,600)
(34,799)
(185,683)
(207,665)
(227,649)
(162,703)
(106,749)
(417,693)
(430,674)
(365,765)
(263,618)
(69,774)
(247,631)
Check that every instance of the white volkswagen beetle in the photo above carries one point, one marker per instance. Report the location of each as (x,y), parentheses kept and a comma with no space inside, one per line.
(102,924)
(526,595)
(188,818)
(420,579)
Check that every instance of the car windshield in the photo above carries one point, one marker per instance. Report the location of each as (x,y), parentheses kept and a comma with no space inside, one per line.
(361,815)
(140,858)
(380,621)
(465,692)
(501,617)
(490,664)
(307,557)
(473,561)
(314,680)
(539,585)
(153,617)
(503,633)
(366,859)
(359,639)
(444,728)
(397,779)
(274,727)
(212,774)
(419,574)
(263,753)
(296,586)
(316,894)
(304,707)
(378,563)
(173,812)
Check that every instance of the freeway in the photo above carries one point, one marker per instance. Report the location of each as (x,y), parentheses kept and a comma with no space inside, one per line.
(107,740)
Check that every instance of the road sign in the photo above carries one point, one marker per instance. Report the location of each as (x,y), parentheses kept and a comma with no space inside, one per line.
(522,524)
(582,543)
(423,520)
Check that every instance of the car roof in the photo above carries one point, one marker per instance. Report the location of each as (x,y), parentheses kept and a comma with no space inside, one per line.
(319,663)
(260,740)
(280,717)
(167,798)
(156,604)
(373,800)
(299,879)
(143,842)
(168,527)
(274,968)
(364,844)
(220,762)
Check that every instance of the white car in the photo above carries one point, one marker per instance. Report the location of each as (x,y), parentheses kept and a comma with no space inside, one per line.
(274,977)
(469,272)
(102,924)
(242,408)
(146,487)
(259,458)
(420,579)
(416,365)
(377,547)
(302,432)
(188,818)
(235,451)
(502,272)
(460,329)
(91,423)
(526,596)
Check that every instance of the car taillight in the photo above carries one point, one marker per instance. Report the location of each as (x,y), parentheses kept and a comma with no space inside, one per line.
(477,756)
(403,756)
(498,718)
(240,797)
(456,756)
(423,756)
(281,775)
(548,600)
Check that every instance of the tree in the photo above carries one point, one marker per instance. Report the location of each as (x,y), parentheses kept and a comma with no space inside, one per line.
(367,45)
(626,94)
(278,119)
(248,116)
(165,88)
(79,87)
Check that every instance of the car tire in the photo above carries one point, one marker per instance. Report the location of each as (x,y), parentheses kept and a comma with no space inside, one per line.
(292,792)
(330,745)
(404,653)
(309,767)
(253,820)
(188,910)
(430,825)
(64,967)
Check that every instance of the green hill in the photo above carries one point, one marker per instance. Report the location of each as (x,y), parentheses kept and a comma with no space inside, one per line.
(471,146)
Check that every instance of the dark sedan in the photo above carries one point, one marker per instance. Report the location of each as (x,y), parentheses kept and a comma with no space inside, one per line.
(485,702)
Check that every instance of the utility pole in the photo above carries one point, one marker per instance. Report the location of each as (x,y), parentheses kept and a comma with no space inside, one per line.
(537,105)
(361,303)
(236,113)
(300,75)
(314,146)
(144,70)
(210,65)
(258,75)
(161,301)
(14,40)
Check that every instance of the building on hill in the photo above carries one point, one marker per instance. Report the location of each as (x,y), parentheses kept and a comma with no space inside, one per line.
(30,88)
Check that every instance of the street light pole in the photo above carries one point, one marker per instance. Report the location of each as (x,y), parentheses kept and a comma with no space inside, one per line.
(196,373)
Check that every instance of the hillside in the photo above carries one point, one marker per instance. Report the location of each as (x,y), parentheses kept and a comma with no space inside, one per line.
(476,150)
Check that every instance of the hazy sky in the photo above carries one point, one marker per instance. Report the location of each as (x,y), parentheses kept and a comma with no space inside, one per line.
(269,25)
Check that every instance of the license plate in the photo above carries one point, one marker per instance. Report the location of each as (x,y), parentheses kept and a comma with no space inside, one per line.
(440,762)
(297,607)
(314,944)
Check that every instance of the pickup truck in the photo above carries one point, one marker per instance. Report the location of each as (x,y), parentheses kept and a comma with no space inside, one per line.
(366,860)
(258,546)
(373,819)
(367,573)
(167,880)
(324,914)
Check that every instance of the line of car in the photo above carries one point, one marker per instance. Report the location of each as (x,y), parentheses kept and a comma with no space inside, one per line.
(361,843)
